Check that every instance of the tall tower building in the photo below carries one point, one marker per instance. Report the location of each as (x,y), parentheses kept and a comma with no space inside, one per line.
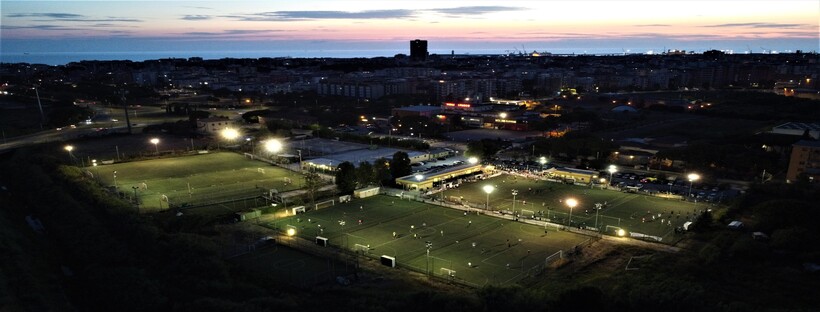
(418,50)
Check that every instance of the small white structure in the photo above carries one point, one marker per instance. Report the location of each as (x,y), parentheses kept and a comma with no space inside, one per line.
(213,125)
(734,225)
(366,192)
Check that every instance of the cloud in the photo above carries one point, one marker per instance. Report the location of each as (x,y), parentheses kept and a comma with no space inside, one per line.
(231,32)
(196,17)
(69,17)
(475,10)
(39,27)
(319,15)
(653,25)
(49,15)
(759,25)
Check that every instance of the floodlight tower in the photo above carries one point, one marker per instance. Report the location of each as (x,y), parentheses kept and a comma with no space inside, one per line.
(692,178)
(571,202)
(488,189)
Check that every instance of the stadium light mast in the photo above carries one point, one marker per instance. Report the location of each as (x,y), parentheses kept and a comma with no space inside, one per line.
(156,145)
(488,189)
(69,149)
(692,178)
(571,202)
(612,169)
(273,146)
(514,192)
(472,160)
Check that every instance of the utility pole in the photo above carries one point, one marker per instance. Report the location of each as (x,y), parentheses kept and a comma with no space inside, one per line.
(40,105)
(125,107)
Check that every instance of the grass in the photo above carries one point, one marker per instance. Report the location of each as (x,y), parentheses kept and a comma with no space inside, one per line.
(629,211)
(284,265)
(195,180)
(504,251)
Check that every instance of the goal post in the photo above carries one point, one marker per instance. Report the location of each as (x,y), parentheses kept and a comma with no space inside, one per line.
(527,213)
(260,170)
(325,204)
(298,210)
(448,272)
(364,249)
(250,156)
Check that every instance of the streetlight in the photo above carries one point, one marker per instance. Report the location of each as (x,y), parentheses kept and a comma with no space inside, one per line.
(488,189)
(692,177)
(571,202)
(472,160)
(115,181)
(230,133)
(156,147)
(612,169)
(68,149)
(514,192)
(273,146)
(136,199)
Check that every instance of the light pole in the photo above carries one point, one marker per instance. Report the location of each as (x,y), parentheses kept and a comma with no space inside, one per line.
(514,192)
(597,207)
(472,160)
(273,146)
(612,169)
(488,189)
(156,146)
(230,134)
(136,199)
(69,149)
(692,177)
(115,181)
(571,202)
(542,161)
(300,160)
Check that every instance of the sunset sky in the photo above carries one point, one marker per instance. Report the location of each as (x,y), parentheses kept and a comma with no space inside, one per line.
(463,26)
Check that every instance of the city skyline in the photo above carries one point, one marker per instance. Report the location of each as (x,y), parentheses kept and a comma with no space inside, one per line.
(383,28)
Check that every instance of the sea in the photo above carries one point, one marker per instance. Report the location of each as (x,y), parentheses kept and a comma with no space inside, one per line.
(62,58)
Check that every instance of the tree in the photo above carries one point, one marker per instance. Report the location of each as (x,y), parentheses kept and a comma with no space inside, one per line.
(400,165)
(346,177)
(366,174)
(312,183)
(381,169)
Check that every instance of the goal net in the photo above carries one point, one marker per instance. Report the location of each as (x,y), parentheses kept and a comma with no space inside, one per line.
(361,248)
(527,213)
(325,204)
(260,170)
(298,210)
(448,272)
(287,180)
(249,156)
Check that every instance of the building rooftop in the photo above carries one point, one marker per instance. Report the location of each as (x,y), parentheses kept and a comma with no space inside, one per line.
(799,126)
(807,143)
(420,108)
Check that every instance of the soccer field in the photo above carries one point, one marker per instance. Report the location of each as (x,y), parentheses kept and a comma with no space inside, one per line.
(635,213)
(477,249)
(195,180)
